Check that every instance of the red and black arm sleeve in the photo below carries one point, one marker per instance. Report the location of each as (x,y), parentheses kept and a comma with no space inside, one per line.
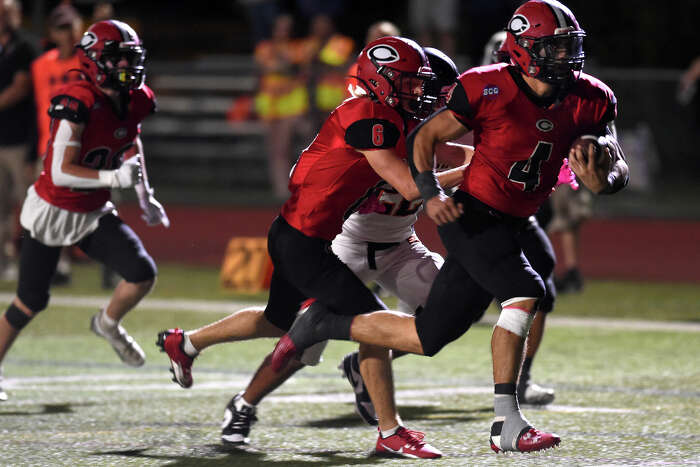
(64,106)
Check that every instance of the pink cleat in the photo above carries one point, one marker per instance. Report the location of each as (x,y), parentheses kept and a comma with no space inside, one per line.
(529,441)
(406,443)
(170,342)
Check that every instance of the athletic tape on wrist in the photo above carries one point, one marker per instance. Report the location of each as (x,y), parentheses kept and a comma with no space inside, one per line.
(428,185)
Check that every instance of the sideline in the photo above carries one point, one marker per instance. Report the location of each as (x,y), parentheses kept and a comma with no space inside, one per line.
(219,306)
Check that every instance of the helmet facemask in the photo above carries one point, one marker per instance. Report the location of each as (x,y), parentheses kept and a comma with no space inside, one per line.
(557,56)
(118,75)
(404,86)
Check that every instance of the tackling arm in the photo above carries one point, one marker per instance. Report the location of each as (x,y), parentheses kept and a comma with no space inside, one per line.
(395,172)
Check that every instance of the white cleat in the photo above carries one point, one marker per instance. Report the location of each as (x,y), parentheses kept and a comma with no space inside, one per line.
(122,343)
(535,394)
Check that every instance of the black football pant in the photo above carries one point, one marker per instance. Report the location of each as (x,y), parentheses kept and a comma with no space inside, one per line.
(306,267)
(488,255)
(113,244)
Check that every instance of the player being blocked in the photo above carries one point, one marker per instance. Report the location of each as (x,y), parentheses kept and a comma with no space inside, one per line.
(524,127)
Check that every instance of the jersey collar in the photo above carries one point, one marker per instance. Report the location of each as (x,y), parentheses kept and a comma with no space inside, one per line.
(543,102)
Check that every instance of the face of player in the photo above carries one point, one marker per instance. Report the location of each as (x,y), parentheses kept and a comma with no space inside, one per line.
(414,88)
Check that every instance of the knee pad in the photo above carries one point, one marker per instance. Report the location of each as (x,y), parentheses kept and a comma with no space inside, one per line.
(142,271)
(16,317)
(33,299)
(515,320)
(312,356)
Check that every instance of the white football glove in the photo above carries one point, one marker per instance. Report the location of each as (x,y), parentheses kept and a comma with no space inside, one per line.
(153,212)
(126,176)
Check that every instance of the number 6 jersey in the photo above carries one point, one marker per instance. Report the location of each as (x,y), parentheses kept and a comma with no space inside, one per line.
(521,139)
(332,179)
(107,136)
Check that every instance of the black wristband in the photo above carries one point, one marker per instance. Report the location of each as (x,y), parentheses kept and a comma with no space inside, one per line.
(428,185)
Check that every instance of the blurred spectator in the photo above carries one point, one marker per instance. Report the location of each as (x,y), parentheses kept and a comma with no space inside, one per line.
(375,31)
(329,55)
(261,15)
(53,69)
(282,97)
(102,11)
(434,23)
(16,122)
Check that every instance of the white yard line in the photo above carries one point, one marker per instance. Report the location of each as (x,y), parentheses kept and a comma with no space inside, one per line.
(424,396)
(219,306)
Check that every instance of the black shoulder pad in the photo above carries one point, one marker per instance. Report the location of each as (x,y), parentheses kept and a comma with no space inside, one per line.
(459,103)
(372,133)
(69,108)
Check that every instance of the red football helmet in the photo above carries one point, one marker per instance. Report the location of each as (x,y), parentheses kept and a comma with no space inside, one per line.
(103,46)
(391,68)
(545,41)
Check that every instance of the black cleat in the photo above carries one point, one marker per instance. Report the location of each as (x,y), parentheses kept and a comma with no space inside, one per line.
(237,422)
(350,366)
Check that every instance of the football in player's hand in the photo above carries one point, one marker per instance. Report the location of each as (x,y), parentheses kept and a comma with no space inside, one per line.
(584,142)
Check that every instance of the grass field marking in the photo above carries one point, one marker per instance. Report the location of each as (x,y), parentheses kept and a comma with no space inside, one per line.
(423,397)
(218,306)
(96,301)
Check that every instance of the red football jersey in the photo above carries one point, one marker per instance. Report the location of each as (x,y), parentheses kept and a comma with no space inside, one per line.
(332,178)
(105,139)
(521,139)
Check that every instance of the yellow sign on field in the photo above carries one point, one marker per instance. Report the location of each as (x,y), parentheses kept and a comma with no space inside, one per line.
(247,266)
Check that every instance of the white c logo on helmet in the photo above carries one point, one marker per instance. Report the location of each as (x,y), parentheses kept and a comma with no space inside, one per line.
(383,54)
(518,24)
(88,40)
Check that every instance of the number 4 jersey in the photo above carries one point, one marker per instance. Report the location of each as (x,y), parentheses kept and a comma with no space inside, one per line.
(107,136)
(521,139)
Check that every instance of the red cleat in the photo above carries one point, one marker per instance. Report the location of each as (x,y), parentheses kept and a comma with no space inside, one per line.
(532,440)
(406,443)
(170,342)
(284,351)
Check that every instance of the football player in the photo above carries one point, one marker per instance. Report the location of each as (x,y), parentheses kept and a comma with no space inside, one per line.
(378,243)
(541,254)
(359,148)
(94,147)
(525,116)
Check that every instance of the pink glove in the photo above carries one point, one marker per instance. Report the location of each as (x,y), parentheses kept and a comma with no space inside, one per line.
(566,176)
